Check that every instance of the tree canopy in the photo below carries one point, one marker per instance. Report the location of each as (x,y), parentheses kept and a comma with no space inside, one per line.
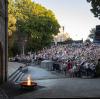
(95,7)
(92,33)
(11,24)
(11,18)
(31,22)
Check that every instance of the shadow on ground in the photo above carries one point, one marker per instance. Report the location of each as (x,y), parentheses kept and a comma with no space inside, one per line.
(13,90)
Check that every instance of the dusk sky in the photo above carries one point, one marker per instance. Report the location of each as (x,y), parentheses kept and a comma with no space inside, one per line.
(74,15)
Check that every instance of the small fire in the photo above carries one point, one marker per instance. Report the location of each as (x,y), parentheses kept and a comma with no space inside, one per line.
(29,81)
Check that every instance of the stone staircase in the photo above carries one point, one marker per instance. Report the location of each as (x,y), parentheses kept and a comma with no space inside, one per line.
(17,75)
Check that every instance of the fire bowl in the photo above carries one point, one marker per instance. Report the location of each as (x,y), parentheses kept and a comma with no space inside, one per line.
(26,86)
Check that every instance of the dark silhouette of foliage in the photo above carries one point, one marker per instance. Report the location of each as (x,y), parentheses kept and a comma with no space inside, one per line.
(95,4)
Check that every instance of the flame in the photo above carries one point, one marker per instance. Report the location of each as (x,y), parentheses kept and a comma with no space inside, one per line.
(29,81)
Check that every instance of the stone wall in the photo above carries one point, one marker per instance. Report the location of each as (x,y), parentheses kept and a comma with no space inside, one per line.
(3,40)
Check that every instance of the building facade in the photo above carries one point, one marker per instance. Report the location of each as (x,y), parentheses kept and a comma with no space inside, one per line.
(61,36)
(97,35)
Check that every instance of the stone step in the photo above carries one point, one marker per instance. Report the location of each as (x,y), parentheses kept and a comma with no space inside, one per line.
(14,75)
(17,77)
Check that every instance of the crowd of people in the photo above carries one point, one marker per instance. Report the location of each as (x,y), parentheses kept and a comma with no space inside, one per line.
(77,59)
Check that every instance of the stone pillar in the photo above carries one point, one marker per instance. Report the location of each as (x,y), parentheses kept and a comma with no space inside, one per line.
(1,63)
(3,40)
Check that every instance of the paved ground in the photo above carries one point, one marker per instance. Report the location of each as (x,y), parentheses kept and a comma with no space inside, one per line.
(48,87)
(38,73)
(2,94)
(64,88)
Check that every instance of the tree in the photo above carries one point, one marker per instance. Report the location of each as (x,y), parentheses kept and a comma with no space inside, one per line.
(87,41)
(95,7)
(11,25)
(11,18)
(23,12)
(92,33)
(35,23)
(41,31)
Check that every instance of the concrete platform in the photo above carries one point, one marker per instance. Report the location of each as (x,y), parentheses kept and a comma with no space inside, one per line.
(65,88)
(38,73)
(53,86)
(56,88)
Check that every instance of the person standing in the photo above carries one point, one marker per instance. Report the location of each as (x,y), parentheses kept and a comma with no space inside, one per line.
(98,69)
(69,67)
